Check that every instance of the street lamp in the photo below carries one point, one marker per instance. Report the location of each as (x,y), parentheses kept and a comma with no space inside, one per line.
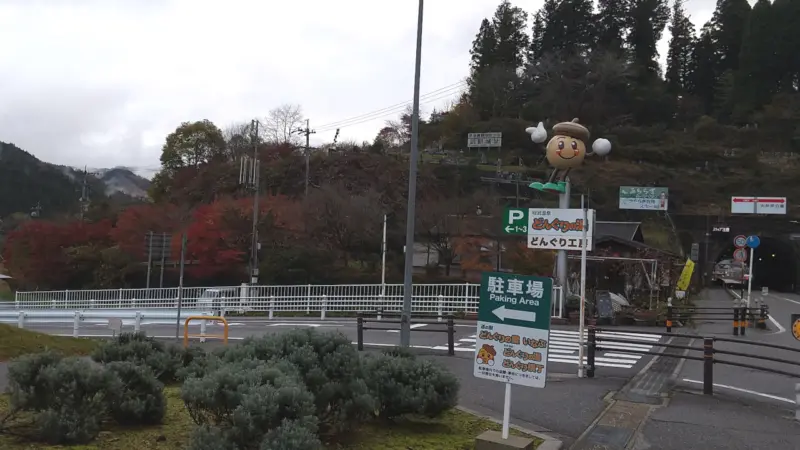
(405,319)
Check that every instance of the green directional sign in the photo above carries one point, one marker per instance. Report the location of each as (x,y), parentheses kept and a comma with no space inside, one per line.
(513,329)
(515,221)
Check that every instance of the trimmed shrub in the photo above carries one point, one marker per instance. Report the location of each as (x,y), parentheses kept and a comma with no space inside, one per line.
(68,399)
(329,366)
(141,397)
(291,435)
(403,385)
(165,361)
(400,352)
(243,401)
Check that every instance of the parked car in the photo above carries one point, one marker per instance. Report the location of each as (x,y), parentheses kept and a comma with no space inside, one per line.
(215,300)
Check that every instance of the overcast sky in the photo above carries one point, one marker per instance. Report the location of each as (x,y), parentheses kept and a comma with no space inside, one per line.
(102,82)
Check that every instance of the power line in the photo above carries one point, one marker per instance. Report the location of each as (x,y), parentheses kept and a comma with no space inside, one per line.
(393,109)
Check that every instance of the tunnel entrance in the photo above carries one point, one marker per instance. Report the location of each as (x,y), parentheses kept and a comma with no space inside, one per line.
(774,264)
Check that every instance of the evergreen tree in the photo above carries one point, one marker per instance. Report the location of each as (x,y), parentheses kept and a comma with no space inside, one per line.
(787,45)
(648,20)
(612,24)
(483,48)
(727,28)
(537,38)
(552,33)
(509,24)
(702,82)
(756,80)
(679,55)
(576,19)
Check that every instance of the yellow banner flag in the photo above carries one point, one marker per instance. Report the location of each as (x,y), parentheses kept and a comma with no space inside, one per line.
(686,276)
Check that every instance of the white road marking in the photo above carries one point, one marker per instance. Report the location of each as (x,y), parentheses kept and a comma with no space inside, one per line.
(413,326)
(564,346)
(746,391)
(775,322)
(788,299)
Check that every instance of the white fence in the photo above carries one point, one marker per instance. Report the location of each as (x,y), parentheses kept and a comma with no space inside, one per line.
(426,298)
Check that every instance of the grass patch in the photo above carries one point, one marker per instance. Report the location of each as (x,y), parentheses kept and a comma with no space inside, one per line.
(455,430)
(16,342)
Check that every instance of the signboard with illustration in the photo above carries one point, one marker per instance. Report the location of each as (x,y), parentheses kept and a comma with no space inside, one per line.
(643,198)
(559,229)
(796,326)
(513,329)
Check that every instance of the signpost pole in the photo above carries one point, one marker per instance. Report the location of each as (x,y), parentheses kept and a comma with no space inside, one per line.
(563,203)
(507,411)
(750,278)
(581,326)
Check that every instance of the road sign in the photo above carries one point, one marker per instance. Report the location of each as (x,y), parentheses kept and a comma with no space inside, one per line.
(740,241)
(559,229)
(515,221)
(740,255)
(796,326)
(758,205)
(513,329)
(643,198)
(753,241)
(484,140)
(695,252)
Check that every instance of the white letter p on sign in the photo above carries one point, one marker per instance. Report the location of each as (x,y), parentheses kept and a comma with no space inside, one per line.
(515,215)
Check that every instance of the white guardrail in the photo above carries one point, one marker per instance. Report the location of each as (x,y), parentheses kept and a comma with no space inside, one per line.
(162,303)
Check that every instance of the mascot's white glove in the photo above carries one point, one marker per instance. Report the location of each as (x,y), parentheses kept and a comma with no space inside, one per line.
(538,133)
(601,147)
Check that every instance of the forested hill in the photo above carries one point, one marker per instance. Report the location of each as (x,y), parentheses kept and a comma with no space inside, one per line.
(29,185)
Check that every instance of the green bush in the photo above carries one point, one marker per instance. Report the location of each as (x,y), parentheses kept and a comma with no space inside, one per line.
(242,402)
(165,361)
(68,397)
(403,385)
(141,397)
(291,435)
(329,367)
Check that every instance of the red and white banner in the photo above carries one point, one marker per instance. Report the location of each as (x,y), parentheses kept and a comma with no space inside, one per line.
(758,205)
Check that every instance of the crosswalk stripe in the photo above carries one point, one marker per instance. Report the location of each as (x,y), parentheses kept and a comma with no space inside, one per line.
(564,345)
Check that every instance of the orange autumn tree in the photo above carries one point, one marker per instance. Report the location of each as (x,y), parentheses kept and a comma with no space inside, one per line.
(476,253)
(527,261)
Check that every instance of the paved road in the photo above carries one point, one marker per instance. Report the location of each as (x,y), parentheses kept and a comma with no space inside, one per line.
(562,355)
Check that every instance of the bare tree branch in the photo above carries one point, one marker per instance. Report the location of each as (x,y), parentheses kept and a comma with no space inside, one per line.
(281,124)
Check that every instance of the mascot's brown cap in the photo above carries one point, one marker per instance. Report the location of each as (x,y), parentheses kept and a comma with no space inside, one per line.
(572,129)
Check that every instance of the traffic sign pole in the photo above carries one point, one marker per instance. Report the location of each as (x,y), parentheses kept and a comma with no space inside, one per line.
(750,279)
(581,325)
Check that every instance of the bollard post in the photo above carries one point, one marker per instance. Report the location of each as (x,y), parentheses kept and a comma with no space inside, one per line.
(439,308)
(380,305)
(708,366)
(137,322)
(735,321)
(743,318)
(202,331)
(451,336)
(762,317)
(21,320)
(669,317)
(76,324)
(591,344)
(360,332)
(797,402)
(324,307)
(271,307)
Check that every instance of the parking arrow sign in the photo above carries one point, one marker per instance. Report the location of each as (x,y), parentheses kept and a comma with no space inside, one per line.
(524,316)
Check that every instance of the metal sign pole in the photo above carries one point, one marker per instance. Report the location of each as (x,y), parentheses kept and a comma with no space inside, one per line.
(149,257)
(750,278)
(180,287)
(581,326)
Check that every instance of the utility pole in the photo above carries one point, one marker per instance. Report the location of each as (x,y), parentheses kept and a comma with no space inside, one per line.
(249,177)
(307,131)
(84,200)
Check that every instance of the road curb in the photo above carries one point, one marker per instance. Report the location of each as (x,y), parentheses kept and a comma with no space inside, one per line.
(550,443)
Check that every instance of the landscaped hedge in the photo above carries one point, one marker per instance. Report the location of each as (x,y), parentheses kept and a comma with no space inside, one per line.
(289,391)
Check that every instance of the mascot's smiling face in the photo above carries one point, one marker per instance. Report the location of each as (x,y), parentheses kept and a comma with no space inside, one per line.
(565,152)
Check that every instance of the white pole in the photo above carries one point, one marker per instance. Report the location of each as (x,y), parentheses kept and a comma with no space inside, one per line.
(750,280)
(383,258)
(507,411)
(796,401)
(581,327)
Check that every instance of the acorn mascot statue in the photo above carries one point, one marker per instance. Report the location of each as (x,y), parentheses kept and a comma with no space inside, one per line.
(565,151)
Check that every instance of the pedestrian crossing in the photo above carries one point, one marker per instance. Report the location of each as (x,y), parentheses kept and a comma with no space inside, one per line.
(564,345)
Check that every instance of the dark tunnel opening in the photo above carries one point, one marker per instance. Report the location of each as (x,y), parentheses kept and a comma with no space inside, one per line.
(774,264)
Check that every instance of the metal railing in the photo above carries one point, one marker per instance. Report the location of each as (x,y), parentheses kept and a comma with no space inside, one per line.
(96,317)
(426,298)
(448,323)
(742,316)
(708,356)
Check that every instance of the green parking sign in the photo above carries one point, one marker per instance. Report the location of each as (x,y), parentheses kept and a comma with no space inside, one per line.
(515,221)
